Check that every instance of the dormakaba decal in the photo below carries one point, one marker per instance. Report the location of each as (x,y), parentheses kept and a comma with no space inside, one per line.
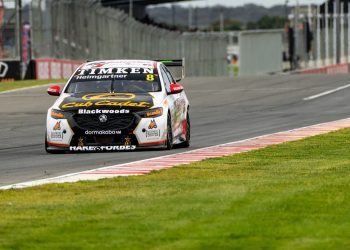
(102,148)
(103,132)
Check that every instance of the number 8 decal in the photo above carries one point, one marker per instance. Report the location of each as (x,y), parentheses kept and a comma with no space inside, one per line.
(150,77)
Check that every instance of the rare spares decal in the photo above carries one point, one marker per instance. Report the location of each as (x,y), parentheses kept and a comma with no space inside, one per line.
(108,101)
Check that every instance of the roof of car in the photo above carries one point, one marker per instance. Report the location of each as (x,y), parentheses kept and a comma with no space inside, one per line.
(120,64)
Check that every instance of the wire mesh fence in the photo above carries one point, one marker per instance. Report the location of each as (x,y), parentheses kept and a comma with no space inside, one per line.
(9,42)
(80,29)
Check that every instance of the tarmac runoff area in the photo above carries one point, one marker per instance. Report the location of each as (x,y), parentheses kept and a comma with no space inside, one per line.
(223,110)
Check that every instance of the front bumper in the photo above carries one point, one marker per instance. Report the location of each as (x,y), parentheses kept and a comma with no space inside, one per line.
(77,131)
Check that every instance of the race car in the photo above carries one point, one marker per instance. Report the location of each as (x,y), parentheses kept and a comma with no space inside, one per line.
(119,105)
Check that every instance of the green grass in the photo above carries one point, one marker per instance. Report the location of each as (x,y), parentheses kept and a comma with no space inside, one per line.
(4,86)
(291,196)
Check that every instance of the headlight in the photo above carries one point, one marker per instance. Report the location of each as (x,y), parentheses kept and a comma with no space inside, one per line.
(57,114)
(151,113)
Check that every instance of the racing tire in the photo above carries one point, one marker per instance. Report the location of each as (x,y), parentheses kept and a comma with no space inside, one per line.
(169,138)
(187,143)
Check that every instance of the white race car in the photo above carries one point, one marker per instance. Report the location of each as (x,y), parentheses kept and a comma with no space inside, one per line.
(119,105)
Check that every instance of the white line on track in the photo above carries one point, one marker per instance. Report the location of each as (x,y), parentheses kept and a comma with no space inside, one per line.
(326,93)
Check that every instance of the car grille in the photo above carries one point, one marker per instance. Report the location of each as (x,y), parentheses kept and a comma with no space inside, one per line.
(114,122)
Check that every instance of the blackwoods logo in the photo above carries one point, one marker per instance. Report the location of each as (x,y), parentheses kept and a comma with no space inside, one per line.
(3,69)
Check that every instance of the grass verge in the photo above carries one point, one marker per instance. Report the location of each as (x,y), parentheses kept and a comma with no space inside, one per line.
(4,86)
(290,196)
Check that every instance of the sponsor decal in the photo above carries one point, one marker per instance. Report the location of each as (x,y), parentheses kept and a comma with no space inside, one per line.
(103,132)
(103,118)
(156,112)
(106,104)
(152,124)
(56,115)
(102,148)
(102,111)
(3,69)
(9,71)
(153,133)
(57,134)
(97,65)
(100,77)
(57,126)
(127,141)
(109,96)
(180,104)
(81,142)
(108,101)
(114,71)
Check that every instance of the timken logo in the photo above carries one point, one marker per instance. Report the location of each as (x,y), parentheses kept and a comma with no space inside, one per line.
(110,71)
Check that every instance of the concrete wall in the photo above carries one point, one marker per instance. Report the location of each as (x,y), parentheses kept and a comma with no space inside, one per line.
(260,52)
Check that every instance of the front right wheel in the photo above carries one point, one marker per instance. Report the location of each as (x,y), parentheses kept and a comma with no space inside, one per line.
(51,151)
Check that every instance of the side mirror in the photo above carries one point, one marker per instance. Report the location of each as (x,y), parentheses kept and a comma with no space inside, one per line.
(54,90)
(176,88)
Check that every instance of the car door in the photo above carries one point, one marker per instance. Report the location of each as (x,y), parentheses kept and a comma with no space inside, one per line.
(179,106)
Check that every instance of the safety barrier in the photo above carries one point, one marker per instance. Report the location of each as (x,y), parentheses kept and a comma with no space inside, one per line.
(329,70)
(80,30)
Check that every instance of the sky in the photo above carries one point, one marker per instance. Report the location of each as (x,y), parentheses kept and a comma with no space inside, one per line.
(267,3)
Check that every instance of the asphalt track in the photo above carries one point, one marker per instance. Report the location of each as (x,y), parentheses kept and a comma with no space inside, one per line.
(222,110)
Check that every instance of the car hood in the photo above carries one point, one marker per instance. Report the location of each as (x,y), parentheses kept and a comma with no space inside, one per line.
(130,101)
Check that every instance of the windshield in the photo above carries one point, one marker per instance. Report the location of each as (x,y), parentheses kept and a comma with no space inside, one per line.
(111,83)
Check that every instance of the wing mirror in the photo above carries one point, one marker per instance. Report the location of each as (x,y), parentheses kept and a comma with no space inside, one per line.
(54,90)
(176,88)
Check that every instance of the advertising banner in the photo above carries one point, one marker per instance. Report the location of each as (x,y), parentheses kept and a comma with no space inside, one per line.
(9,71)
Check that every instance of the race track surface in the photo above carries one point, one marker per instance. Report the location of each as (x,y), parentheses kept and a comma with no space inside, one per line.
(222,110)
